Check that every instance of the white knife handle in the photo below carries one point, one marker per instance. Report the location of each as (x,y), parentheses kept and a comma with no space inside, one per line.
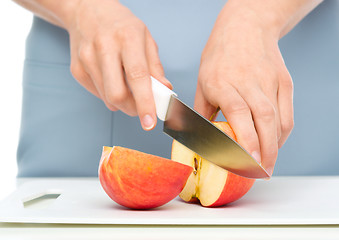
(162,96)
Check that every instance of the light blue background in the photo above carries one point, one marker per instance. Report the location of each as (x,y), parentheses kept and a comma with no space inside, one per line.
(64,127)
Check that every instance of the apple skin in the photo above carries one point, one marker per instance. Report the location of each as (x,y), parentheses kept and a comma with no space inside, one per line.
(138,180)
(211,185)
(235,188)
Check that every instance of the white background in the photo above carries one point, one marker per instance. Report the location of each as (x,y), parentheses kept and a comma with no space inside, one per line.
(15,23)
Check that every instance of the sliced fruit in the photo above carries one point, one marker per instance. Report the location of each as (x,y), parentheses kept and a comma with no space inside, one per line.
(211,185)
(139,180)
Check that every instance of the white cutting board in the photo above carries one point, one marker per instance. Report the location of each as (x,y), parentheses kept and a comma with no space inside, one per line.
(280,201)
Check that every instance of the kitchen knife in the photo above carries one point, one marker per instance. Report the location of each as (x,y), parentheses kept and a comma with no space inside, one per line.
(200,135)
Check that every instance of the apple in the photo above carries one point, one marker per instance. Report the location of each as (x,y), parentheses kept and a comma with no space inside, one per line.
(139,180)
(211,185)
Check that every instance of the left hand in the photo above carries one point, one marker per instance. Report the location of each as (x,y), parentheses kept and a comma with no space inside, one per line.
(242,71)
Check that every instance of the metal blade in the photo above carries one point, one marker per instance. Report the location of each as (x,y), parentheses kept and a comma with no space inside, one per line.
(200,135)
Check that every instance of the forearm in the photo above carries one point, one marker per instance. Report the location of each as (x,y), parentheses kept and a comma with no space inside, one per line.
(56,12)
(278,16)
(292,12)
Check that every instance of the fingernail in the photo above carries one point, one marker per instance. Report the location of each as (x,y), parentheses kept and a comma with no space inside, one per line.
(256,156)
(148,122)
(267,179)
(169,83)
(269,170)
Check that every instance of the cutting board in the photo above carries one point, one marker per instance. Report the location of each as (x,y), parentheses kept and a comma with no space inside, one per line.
(279,201)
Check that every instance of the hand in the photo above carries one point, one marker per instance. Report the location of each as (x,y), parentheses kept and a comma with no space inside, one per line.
(113,56)
(243,72)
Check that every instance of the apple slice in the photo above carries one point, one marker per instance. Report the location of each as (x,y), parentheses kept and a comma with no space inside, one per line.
(138,180)
(211,185)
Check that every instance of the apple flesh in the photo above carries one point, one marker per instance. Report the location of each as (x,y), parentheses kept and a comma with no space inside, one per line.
(211,185)
(138,180)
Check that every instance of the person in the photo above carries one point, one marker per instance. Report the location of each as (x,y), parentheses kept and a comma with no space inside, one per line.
(88,66)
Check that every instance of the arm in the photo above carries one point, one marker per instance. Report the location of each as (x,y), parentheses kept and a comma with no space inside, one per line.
(280,15)
(113,54)
(55,12)
(242,71)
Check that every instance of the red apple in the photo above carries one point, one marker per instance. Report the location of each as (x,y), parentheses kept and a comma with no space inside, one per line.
(138,180)
(211,185)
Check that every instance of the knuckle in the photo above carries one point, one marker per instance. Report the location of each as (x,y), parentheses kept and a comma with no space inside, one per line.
(77,71)
(86,53)
(204,78)
(287,126)
(158,66)
(130,31)
(265,111)
(136,74)
(271,153)
(250,139)
(102,42)
(138,24)
(116,98)
(156,47)
(238,108)
(287,83)
(111,107)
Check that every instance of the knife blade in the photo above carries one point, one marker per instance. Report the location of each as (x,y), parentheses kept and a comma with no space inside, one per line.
(191,129)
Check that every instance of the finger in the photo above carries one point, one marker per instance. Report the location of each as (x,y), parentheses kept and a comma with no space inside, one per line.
(273,99)
(154,64)
(238,114)
(264,116)
(117,92)
(202,106)
(277,117)
(78,71)
(83,78)
(270,89)
(285,102)
(139,81)
(89,62)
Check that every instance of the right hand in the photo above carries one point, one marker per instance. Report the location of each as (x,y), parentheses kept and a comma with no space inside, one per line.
(113,56)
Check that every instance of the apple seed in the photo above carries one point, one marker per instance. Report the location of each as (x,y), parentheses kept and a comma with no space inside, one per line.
(196,165)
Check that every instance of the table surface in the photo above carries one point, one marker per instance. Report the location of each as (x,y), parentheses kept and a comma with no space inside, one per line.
(15,231)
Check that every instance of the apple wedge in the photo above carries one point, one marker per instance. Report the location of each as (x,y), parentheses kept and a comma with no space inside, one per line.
(208,183)
(138,180)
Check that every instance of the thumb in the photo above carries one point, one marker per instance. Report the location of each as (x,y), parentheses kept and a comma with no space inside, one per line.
(202,106)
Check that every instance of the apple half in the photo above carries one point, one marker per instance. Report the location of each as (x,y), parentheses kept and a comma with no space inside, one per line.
(211,185)
(139,180)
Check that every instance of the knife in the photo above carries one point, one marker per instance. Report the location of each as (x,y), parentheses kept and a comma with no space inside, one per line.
(191,129)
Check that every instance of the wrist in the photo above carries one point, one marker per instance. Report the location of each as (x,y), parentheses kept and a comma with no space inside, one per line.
(244,15)
(73,10)
(66,12)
